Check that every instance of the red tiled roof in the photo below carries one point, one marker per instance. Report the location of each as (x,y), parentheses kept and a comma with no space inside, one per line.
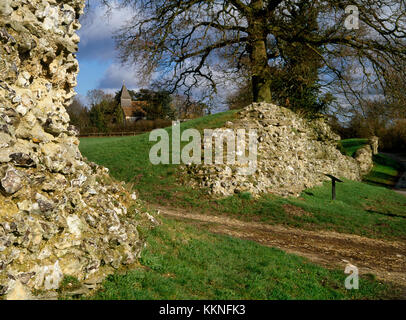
(136,109)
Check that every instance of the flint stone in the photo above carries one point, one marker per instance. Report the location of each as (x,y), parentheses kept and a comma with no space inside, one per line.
(21,110)
(364,159)
(12,181)
(5,8)
(374,142)
(74,225)
(22,160)
(5,138)
(19,292)
(48,277)
(45,205)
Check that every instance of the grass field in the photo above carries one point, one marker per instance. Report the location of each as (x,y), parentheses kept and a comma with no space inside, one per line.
(184,262)
(360,208)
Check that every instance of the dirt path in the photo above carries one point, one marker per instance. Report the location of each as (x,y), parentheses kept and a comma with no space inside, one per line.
(385,259)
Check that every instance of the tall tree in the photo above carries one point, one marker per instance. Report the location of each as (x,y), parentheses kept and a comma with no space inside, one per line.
(96,96)
(158,103)
(184,108)
(295,76)
(105,111)
(79,114)
(187,38)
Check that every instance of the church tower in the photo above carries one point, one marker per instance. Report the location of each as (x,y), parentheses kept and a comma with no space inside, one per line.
(125,98)
(133,110)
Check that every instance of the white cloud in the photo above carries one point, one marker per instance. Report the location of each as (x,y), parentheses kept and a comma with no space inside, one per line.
(98,28)
(114,76)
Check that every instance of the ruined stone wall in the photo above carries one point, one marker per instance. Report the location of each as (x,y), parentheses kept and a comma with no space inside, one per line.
(59,215)
(293,154)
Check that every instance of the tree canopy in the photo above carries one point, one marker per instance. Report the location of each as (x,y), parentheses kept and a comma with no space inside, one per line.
(191,41)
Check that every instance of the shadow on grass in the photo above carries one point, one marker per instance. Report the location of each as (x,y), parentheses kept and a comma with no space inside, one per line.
(388,214)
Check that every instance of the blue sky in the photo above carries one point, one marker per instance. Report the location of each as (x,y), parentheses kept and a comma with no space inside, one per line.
(99,66)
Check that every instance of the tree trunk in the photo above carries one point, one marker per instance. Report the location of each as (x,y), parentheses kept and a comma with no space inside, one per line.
(261,80)
(260,71)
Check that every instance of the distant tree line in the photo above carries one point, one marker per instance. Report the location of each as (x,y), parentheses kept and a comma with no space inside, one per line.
(104,114)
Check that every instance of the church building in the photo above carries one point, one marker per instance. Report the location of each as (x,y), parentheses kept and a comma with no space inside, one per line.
(133,110)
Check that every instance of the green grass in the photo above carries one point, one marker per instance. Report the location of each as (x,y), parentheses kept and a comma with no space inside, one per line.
(385,171)
(360,208)
(352,145)
(184,262)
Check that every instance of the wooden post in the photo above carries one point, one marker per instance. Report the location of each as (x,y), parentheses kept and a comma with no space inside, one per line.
(333,185)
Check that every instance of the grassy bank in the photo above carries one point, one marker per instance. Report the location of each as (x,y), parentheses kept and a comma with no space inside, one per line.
(350,146)
(184,262)
(385,171)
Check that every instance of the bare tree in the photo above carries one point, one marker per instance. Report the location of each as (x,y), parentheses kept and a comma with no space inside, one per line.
(78,113)
(96,96)
(395,89)
(188,39)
